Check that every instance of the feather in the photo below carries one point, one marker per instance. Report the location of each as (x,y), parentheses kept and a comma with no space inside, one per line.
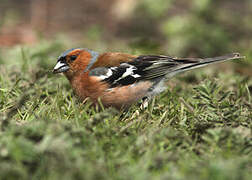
(153,68)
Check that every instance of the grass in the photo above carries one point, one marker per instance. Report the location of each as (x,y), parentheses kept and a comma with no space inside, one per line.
(200,128)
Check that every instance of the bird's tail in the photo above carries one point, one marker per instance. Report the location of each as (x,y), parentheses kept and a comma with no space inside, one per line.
(192,63)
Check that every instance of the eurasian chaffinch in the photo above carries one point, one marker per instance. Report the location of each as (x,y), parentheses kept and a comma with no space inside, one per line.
(120,79)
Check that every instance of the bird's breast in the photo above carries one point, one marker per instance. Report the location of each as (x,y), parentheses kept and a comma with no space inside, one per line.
(118,97)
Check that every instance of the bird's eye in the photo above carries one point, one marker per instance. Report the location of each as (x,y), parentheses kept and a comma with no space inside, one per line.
(73,57)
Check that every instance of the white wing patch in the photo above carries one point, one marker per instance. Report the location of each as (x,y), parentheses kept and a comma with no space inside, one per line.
(124,74)
(107,75)
(135,75)
(128,72)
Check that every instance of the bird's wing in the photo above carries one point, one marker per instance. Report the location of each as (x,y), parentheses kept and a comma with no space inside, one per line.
(151,67)
(112,59)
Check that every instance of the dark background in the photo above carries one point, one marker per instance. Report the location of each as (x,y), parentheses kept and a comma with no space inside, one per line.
(181,28)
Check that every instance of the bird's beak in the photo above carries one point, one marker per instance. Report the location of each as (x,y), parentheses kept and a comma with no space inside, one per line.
(60,67)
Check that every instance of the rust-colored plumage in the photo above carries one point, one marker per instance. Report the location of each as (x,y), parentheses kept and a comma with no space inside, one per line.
(120,79)
(113,59)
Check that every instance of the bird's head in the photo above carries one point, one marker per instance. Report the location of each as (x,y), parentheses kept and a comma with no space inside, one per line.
(75,60)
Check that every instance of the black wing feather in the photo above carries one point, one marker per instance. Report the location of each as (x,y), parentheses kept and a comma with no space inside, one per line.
(152,67)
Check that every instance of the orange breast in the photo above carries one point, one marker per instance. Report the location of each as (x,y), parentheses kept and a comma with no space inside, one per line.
(91,87)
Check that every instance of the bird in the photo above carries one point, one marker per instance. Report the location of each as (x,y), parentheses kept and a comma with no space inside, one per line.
(119,79)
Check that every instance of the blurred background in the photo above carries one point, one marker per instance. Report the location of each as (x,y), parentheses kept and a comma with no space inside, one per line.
(179,28)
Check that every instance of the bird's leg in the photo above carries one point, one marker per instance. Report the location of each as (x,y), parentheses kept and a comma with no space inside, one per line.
(144,103)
